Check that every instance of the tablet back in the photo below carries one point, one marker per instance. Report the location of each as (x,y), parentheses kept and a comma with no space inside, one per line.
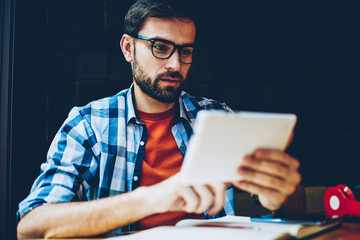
(221,139)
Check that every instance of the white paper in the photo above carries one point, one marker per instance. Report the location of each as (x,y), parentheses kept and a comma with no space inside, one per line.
(243,222)
(186,233)
(232,228)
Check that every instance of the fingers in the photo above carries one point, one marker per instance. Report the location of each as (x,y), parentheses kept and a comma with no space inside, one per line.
(268,197)
(190,199)
(198,199)
(259,170)
(271,168)
(257,189)
(271,174)
(172,196)
(267,166)
(269,181)
(219,199)
(277,156)
(203,200)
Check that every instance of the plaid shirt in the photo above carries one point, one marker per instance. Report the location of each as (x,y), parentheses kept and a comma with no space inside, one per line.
(98,151)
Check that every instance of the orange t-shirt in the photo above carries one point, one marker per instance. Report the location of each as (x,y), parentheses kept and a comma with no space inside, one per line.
(162,159)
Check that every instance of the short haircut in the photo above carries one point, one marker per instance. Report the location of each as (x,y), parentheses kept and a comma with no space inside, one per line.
(141,10)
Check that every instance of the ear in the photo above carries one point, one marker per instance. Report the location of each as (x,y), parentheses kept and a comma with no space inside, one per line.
(127,47)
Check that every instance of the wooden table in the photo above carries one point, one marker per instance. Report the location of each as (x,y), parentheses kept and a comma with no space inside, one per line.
(347,231)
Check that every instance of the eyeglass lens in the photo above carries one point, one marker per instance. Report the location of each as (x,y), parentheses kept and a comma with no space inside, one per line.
(164,50)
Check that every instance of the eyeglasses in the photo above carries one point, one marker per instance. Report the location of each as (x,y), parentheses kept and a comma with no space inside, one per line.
(164,49)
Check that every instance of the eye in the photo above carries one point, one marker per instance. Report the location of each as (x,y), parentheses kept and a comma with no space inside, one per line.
(162,47)
(187,51)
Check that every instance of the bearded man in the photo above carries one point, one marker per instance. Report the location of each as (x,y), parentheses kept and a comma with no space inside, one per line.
(113,164)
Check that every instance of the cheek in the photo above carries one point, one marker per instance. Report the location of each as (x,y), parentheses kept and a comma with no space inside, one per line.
(152,68)
(185,70)
(148,63)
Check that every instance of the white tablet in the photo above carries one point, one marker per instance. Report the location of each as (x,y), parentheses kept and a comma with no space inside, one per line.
(221,140)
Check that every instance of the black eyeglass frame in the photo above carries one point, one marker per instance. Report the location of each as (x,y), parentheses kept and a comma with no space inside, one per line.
(180,47)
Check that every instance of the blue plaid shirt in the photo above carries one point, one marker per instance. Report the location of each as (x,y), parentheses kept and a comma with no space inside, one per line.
(98,151)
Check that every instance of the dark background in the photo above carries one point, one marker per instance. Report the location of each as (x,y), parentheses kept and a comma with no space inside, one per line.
(278,56)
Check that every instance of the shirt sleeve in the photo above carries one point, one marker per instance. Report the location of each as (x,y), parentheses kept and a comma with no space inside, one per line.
(228,208)
(72,163)
(229,201)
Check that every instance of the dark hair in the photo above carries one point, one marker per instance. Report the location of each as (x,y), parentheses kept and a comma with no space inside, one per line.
(143,9)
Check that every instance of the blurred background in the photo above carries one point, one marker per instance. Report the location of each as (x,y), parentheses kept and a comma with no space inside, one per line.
(275,56)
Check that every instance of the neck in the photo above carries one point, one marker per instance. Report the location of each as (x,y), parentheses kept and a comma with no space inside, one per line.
(147,104)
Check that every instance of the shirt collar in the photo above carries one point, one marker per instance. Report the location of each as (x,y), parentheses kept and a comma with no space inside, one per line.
(131,107)
(183,113)
(130,104)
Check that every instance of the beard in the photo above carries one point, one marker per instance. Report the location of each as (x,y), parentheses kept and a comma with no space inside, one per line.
(151,86)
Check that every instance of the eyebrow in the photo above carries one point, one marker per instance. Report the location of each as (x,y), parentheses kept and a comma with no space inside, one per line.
(165,40)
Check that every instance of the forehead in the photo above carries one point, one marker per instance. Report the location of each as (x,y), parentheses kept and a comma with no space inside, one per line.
(179,31)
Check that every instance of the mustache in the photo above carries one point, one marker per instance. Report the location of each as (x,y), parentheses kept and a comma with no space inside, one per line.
(170,74)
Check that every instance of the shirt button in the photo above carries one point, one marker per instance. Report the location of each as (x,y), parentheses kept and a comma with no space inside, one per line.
(142,143)
(136,178)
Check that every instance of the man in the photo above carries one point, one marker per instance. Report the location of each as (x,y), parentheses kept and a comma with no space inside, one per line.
(122,153)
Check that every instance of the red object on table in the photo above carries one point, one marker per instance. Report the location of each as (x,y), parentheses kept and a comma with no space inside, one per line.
(340,201)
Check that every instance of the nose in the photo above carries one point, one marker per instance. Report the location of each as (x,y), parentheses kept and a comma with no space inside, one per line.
(173,62)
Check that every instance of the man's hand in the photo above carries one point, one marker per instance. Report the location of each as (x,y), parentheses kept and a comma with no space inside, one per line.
(72,219)
(270,174)
(170,195)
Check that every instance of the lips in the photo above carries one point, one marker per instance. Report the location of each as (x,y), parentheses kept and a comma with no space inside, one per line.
(171,81)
